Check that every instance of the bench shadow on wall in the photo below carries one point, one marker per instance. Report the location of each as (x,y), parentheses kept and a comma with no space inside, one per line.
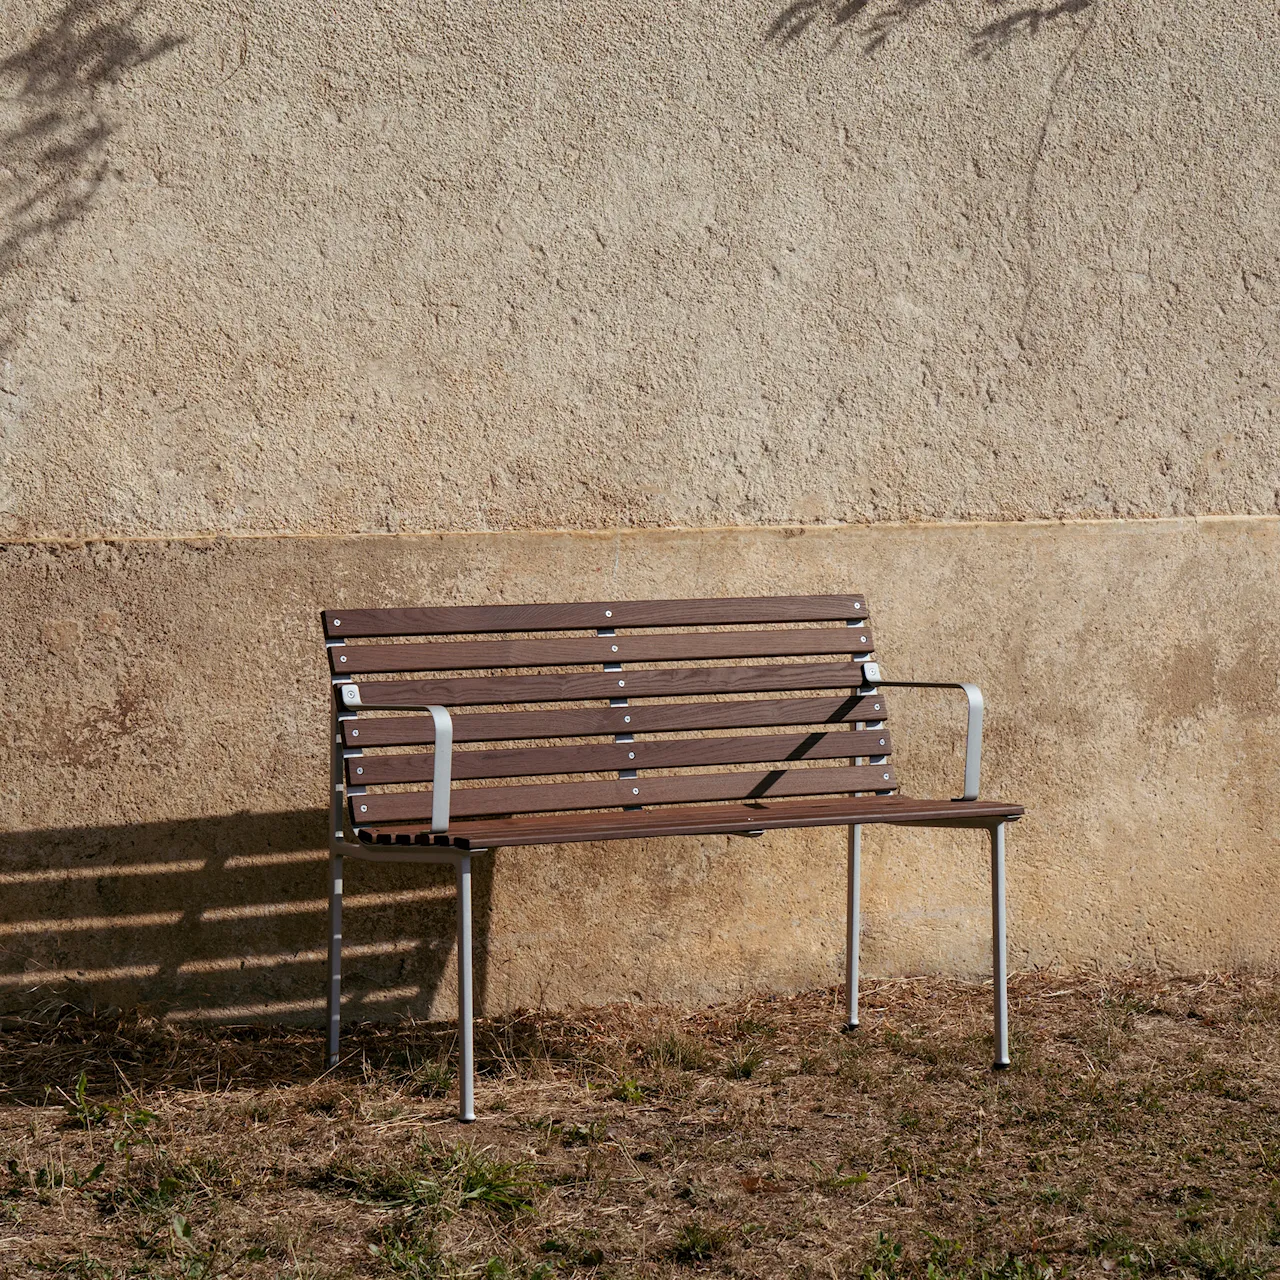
(224,919)
(54,129)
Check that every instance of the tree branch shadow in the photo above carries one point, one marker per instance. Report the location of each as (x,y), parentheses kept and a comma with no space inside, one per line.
(874,22)
(53,128)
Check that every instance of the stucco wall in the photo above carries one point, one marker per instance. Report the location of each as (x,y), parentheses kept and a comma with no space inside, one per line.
(167,716)
(929,281)
(398,266)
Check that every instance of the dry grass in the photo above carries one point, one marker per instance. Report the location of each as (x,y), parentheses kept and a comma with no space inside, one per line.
(1138,1135)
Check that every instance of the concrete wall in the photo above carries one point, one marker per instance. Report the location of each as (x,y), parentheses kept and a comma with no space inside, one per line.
(979,297)
(166,739)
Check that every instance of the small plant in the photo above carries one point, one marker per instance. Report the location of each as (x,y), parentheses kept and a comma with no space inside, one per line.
(697,1243)
(886,1257)
(628,1089)
(80,1111)
(743,1063)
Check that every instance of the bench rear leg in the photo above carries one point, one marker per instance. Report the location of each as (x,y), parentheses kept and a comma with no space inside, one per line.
(334,1002)
(466,1063)
(999,948)
(853,927)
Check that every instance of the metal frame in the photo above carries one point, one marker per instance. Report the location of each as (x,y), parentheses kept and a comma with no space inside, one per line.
(872,680)
(341,845)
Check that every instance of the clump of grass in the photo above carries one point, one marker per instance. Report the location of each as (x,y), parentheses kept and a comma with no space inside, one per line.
(676,1051)
(440,1182)
(696,1242)
(743,1063)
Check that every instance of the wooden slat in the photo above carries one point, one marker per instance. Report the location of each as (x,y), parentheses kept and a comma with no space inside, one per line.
(475,619)
(519,726)
(410,806)
(471,655)
(531,762)
(480,691)
(722,819)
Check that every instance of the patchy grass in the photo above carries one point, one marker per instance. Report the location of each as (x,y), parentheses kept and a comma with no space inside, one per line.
(1137,1136)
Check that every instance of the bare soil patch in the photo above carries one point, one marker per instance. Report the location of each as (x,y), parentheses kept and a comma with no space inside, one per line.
(1138,1134)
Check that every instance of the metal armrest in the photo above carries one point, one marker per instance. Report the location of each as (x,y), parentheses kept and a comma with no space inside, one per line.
(973,733)
(442,773)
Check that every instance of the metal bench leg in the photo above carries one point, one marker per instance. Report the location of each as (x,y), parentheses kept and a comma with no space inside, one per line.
(335,958)
(853,925)
(999,950)
(466,1064)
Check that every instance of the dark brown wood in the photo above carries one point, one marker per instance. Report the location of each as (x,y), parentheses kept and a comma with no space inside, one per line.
(520,726)
(601,757)
(475,619)
(724,819)
(575,686)
(411,806)
(680,646)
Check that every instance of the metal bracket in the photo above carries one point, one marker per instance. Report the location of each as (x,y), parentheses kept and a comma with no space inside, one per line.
(442,753)
(973,731)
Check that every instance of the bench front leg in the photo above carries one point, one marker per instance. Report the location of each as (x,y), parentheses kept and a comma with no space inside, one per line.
(999,949)
(334,1002)
(853,927)
(466,1044)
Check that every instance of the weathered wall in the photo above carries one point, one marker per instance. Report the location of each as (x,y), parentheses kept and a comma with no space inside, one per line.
(403,266)
(166,702)
(396,267)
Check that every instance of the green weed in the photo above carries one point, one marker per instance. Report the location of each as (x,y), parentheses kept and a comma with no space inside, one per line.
(695,1242)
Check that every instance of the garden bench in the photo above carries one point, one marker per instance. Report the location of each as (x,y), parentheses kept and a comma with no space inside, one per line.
(650,699)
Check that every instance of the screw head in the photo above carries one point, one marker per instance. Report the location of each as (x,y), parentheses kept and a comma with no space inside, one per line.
(886,777)
(355,733)
(862,639)
(621,683)
(631,755)
(343,658)
(608,613)
(882,742)
(615,648)
(877,706)
(626,719)
(364,808)
(337,622)
(635,791)
(359,769)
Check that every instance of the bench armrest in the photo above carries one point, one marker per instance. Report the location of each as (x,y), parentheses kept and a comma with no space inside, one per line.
(442,752)
(973,731)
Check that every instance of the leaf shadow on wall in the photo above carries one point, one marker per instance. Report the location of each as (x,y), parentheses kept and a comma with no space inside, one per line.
(54,128)
(225,919)
(872,23)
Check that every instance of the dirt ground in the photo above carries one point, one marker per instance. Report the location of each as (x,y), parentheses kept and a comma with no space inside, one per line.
(1138,1134)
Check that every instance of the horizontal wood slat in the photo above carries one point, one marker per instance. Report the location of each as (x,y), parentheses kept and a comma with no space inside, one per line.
(479,691)
(722,819)
(464,655)
(517,726)
(530,762)
(409,806)
(474,619)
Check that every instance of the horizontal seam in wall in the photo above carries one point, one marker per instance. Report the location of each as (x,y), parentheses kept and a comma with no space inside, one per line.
(263,535)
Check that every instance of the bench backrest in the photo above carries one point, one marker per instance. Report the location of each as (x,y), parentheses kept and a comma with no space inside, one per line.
(649,698)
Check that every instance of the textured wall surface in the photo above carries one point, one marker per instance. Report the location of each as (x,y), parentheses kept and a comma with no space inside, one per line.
(399,266)
(278,281)
(167,702)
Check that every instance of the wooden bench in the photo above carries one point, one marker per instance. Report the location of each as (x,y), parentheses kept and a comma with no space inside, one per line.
(669,705)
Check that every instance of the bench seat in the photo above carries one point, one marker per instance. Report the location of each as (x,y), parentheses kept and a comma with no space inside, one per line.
(701,820)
